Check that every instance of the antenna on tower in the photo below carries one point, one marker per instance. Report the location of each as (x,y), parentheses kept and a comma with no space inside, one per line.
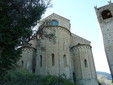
(110,2)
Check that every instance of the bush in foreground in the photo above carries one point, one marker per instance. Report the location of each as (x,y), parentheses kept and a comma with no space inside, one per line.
(21,77)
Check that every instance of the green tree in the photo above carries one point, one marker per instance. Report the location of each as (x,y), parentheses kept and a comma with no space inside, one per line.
(17,19)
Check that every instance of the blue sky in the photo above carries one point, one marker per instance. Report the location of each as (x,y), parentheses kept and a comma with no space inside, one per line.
(82,16)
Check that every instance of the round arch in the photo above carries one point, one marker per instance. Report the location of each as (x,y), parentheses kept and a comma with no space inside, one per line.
(106,14)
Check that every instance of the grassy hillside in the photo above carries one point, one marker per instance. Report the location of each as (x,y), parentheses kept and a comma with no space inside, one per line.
(104,78)
(21,77)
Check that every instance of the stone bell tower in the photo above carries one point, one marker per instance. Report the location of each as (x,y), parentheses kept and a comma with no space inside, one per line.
(105,19)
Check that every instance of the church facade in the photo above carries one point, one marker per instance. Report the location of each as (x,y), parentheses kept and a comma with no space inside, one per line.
(54,50)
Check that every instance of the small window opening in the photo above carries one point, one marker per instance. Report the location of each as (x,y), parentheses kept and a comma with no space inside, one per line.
(53,59)
(54,23)
(65,60)
(85,63)
(106,14)
(22,63)
(40,60)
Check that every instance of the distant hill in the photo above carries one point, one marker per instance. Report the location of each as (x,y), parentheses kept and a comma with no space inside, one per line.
(107,75)
(104,78)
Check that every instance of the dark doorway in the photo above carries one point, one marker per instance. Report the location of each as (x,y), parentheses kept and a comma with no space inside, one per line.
(74,77)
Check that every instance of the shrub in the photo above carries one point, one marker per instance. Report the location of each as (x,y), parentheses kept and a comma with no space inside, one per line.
(21,77)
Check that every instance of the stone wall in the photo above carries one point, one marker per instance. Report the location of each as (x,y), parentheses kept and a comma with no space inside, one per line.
(106,25)
(58,44)
(84,65)
(75,39)
(26,61)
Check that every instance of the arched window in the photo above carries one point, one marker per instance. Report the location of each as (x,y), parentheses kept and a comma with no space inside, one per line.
(53,59)
(106,14)
(40,60)
(65,60)
(85,63)
(54,23)
(22,62)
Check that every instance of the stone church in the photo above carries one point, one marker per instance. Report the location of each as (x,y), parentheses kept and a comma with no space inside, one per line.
(55,50)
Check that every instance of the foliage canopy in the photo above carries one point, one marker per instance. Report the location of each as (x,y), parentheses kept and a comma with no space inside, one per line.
(17,18)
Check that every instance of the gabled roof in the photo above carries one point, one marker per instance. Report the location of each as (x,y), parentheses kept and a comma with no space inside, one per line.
(55,15)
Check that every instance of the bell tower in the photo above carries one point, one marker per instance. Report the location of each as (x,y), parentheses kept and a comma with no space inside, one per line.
(105,19)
